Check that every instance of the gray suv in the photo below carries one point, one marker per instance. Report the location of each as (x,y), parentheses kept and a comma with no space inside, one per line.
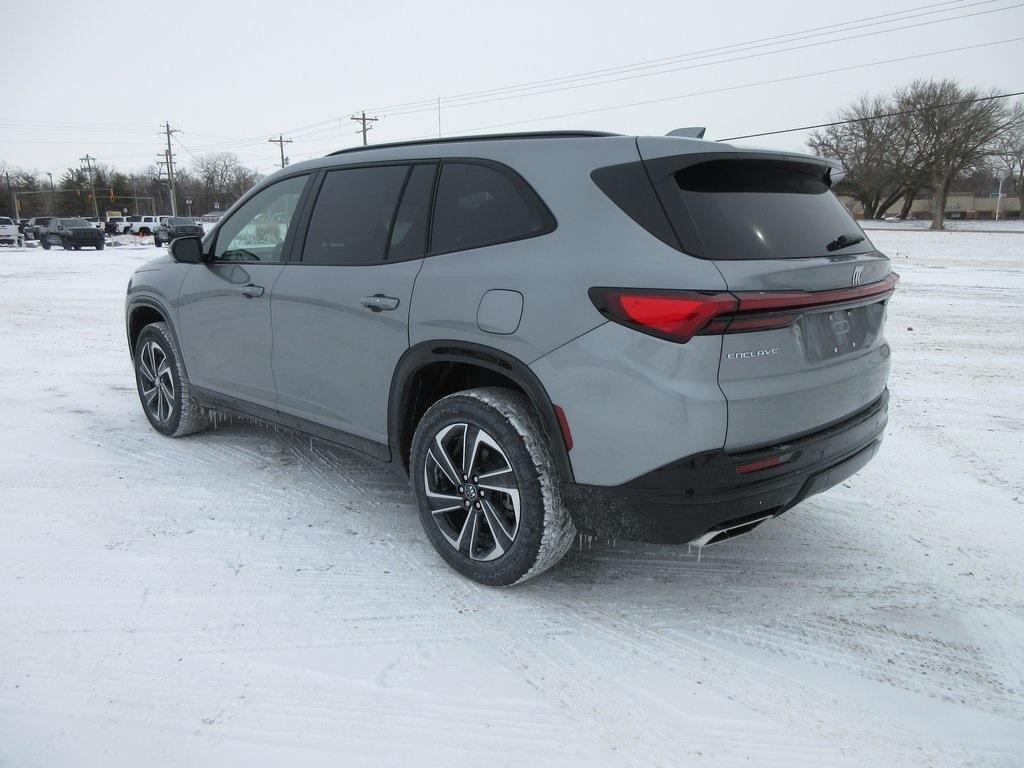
(555,335)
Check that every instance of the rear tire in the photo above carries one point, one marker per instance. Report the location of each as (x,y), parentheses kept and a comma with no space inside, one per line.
(163,387)
(501,519)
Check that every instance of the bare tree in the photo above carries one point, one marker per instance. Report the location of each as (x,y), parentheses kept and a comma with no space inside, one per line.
(1008,159)
(953,132)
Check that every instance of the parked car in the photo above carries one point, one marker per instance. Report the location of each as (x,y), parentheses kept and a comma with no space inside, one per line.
(72,233)
(36,225)
(172,227)
(94,222)
(140,225)
(9,234)
(553,334)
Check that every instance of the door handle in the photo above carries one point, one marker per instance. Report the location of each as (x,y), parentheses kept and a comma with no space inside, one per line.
(379,302)
(251,291)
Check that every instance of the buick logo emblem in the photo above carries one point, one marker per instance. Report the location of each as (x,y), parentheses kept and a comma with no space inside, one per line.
(858,275)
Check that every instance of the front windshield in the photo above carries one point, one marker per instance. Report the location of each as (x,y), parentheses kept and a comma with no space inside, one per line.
(179,221)
(74,223)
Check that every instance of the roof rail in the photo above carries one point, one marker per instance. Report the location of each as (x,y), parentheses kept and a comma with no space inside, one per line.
(480,137)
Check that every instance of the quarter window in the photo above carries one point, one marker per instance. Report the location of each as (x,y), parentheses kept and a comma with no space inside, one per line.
(480,205)
(352,217)
(409,235)
(257,231)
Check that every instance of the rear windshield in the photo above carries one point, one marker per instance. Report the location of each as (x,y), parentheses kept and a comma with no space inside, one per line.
(756,209)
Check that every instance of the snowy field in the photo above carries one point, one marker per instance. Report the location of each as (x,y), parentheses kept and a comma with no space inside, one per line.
(240,598)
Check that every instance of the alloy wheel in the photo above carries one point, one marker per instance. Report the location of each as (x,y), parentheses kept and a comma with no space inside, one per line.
(472,492)
(157,383)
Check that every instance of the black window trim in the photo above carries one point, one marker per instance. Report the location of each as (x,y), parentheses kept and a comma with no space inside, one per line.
(531,196)
(296,239)
(314,193)
(286,248)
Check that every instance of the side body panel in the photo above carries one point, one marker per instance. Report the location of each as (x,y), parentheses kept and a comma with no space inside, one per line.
(226,335)
(334,357)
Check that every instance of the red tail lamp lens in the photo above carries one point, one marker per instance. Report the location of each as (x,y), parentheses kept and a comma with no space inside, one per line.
(673,315)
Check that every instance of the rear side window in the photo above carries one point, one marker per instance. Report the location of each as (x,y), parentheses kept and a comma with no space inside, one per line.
(353,214)
(481,205)
(409,234)
(756,209)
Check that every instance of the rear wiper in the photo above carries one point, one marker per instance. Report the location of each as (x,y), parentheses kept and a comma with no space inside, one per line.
(844,241)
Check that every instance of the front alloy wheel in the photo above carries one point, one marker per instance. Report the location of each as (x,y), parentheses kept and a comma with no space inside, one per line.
(156,382)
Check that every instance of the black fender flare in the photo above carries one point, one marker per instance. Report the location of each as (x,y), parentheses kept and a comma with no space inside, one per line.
(152,303)
(425,353)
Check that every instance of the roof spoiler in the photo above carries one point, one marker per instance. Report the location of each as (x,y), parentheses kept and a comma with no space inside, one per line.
(688,133)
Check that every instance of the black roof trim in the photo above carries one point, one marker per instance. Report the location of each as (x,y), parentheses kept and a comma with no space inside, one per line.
(481,137)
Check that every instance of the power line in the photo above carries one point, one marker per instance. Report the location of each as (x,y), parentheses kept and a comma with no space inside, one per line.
(742,86)
(875,117)
(673,58)
(745,57)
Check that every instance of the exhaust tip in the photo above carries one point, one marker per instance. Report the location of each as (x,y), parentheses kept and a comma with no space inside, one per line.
(728,531)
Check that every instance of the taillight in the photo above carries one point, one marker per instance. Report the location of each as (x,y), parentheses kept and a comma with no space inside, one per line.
(680,315)
(673,315)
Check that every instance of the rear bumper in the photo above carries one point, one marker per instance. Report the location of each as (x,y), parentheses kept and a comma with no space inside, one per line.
(682,501)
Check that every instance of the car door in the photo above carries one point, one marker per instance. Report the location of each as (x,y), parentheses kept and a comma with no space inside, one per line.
(341,312)
(224,303)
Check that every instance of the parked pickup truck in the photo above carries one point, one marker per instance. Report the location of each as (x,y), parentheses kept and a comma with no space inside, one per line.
(9,234)
(172,227)
(140,225)
(72,233)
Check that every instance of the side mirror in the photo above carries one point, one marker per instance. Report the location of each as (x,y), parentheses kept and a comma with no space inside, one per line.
(187,250)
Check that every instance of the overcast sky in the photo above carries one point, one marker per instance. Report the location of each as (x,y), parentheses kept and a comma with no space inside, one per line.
(99,78)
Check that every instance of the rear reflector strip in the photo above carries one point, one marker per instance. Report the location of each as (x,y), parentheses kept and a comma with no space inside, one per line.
(757,466)
(680,315)
(563,424)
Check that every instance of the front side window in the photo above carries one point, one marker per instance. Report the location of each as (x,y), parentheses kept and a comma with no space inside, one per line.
(257,231)
(352,218)
(481,205)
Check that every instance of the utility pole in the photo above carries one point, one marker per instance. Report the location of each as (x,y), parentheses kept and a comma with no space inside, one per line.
(14,197)
(53,195)
(281,141)
(999,196)
(88,160)
(170,166)
(363,120)
(439,117)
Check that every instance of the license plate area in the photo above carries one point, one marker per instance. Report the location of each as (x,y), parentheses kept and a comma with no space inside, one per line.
(840,331)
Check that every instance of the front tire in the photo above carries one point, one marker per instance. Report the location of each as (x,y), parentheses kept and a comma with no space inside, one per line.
(45,243)
(163,387)
(487,487)
(99,247)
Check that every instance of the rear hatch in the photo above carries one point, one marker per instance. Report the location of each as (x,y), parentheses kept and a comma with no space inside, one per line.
(806,347)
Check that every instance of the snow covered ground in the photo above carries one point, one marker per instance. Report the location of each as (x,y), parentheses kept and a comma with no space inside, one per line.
(243,598)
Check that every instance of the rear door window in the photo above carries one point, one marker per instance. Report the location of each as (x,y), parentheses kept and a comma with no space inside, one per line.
(480,204)
(757,209)
(352,219)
